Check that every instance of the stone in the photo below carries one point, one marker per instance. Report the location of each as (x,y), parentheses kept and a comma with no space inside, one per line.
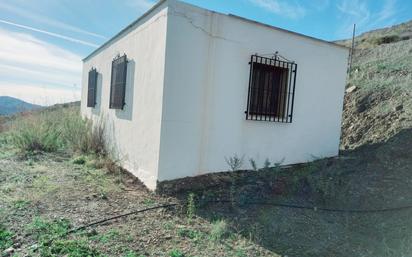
(8,252)
(399,107)
(351,89)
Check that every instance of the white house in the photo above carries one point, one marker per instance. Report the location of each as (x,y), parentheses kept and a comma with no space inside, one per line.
(181,88)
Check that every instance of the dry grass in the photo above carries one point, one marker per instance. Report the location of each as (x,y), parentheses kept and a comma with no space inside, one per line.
(56,129)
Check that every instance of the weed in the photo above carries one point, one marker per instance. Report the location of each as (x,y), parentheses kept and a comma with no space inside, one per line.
(72,248)
(219,231)
(44,230)
(57,129)
(80,160)
(132,254)
(169,225)
(149,201)
(191,206)
(190,233)
(253,164)
(5,238)
(107,237)
(176,253)
(20,204)
(267,164)
(234,162)
(37,133)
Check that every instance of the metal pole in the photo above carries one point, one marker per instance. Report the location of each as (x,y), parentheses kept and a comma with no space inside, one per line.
(353,49)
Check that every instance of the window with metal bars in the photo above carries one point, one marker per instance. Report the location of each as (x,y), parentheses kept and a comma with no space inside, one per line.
(271,89)
(92,88)
(118,82)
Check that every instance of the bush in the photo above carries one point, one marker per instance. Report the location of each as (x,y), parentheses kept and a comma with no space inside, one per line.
(219,230)
(36,133)
(386,39)
(57,129)
(5,238)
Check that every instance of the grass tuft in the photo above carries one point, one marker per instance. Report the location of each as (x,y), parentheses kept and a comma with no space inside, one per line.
(5,238)
(56,129)
(219,230)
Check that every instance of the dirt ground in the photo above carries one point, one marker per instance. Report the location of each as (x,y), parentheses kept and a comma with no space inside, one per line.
(51,187)
(372,177)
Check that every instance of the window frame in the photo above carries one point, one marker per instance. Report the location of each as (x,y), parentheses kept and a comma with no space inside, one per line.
(116,85)
(92,99)
(268,89)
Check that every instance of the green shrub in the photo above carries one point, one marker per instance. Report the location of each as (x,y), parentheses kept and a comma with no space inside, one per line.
(5,238)
(386,39)
(39,132)
(57,129)
(80,160)
(176,253)
(219,230)
(191,206)
(72,248)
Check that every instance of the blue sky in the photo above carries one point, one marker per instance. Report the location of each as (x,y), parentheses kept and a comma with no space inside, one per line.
(42,42)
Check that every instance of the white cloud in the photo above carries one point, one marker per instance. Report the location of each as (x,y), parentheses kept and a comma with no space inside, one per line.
(71,39)
(24,12)
(288,9)
(37,71)
(359,12)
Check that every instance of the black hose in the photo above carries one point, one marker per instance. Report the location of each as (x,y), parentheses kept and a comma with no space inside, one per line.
(282,205)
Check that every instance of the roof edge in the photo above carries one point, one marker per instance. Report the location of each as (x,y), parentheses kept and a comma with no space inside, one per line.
(108,42)
(289,31)
(229,15)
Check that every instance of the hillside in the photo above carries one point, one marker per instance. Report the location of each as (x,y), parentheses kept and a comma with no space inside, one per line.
(10,105)
(380,105)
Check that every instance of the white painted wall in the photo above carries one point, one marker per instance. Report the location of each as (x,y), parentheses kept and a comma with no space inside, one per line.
(205,95)
(187,91)
(133,134)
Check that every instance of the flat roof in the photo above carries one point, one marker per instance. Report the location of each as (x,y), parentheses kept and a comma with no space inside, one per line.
(123,31)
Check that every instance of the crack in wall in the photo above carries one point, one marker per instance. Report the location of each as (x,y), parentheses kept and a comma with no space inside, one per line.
(191,21)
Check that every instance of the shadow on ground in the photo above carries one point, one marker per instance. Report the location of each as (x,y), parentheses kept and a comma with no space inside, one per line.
(375,176)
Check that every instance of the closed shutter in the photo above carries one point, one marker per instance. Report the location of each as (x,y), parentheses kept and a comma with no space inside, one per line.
(118,83)
(92,88)
(271,89)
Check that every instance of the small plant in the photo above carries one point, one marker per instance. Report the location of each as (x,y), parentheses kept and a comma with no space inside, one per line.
(80,160)
(20,204)
(44,230)
(253,164)
(176,253)
(219,230)
(5,238)
(107,237)
(190,233)
(72,248)
(267,164)
(191,206)
(234,162)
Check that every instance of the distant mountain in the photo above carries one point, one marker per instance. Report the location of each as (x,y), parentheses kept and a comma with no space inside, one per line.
(10,105)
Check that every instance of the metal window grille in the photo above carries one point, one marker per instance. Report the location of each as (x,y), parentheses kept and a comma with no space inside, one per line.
(118,82)
(271,89)
(92,88)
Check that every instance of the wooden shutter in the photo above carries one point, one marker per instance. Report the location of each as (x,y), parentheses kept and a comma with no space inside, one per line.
(118,83)
(271,89)
(92,88)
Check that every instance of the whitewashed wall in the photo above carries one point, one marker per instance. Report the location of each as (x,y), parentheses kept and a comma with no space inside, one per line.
(187,91)
(205,95)
(133,134)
